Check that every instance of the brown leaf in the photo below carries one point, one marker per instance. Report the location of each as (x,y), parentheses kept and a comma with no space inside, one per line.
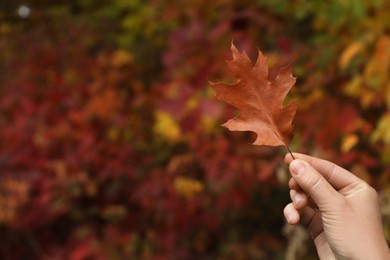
(259,100)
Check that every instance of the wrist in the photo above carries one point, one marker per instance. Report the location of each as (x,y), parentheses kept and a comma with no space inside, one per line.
(378,251)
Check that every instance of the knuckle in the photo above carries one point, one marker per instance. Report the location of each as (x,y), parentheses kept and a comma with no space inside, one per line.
(369,191)
(314,182)
(342,205)
(372,193)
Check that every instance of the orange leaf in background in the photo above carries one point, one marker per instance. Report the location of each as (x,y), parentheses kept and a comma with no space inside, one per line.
(259,100)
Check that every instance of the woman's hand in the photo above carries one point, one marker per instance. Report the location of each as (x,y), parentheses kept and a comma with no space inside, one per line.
(339,210)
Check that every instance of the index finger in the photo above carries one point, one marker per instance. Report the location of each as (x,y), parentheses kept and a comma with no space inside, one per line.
(337,176)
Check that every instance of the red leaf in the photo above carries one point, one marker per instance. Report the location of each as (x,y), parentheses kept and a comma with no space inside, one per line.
(259,100)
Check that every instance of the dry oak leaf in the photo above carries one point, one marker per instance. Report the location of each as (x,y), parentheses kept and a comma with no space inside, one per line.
(259,100)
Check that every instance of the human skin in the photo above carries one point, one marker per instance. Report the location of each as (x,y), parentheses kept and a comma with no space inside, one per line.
(339,210)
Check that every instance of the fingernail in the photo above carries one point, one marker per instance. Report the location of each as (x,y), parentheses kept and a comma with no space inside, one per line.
(297,167)
(291,217)
(297,198)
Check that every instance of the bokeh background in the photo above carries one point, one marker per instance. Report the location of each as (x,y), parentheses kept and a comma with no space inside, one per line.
(110,137)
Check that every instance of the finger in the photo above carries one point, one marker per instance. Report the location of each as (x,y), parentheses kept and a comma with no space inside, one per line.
(338,177)
(298,198)
(312,204)
(312,220)
(293,185)
(291,214)
(314,184)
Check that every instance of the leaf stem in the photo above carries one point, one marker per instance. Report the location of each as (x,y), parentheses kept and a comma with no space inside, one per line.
(288,149)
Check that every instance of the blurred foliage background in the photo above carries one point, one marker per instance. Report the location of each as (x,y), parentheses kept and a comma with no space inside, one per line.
(110,144)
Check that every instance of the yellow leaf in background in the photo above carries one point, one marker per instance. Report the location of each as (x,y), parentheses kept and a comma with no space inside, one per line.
(349,142)
(387,94)
(273,59)
(121,58)
(192,103)
(166,126)
(187,187)
(114,212)
(208,124)
(5,28)
(173,90)
(353,87)
(180,162)
(13,195)
(376,70)
(356,87)
(386,159)
(367,97)
(113,133)
(382,131)
(349,53)
(313,97)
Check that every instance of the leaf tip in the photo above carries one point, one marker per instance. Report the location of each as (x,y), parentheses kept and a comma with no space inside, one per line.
(232,45)
(235,51)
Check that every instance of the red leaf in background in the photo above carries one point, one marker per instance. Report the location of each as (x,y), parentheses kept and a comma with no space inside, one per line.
(259,100)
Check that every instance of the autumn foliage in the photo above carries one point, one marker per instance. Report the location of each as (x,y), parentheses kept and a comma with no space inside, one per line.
(110,137)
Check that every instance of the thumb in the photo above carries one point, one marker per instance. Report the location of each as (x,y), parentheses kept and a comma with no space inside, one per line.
(314,184)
